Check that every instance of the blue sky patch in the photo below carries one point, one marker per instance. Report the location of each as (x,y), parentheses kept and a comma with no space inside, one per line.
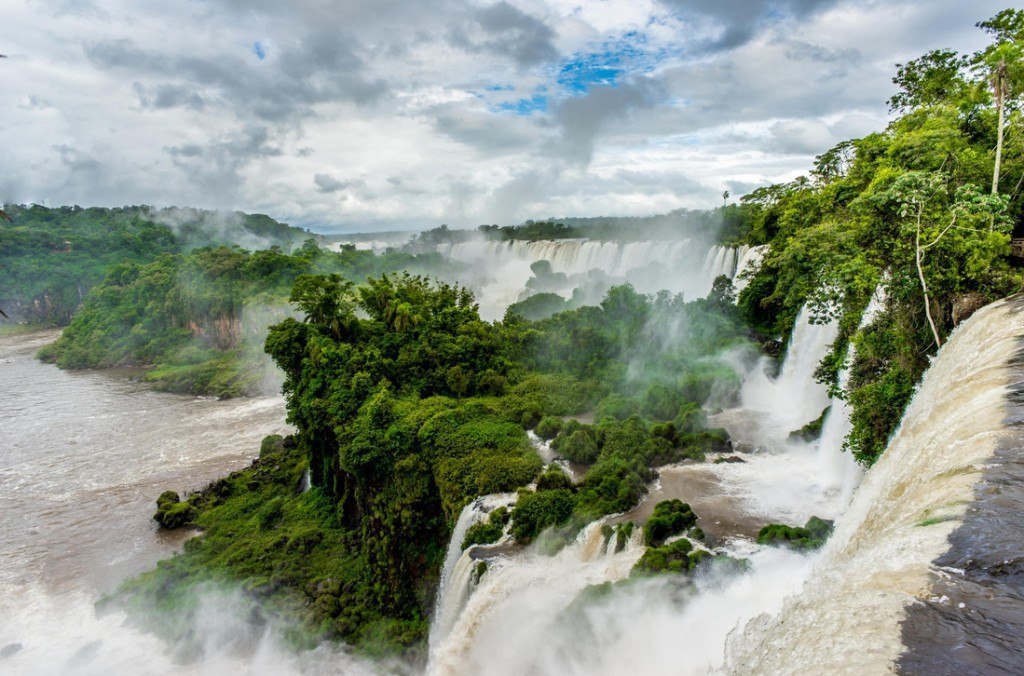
(259,50)
(538,103)
(612,61)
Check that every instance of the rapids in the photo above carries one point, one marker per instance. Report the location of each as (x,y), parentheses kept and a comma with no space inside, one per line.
(523,617)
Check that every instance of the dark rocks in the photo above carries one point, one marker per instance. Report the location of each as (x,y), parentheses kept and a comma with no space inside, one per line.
(966,304)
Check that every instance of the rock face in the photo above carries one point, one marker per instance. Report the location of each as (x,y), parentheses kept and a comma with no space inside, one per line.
(966,304)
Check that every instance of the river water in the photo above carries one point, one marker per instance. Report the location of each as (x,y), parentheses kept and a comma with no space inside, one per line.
(83,456)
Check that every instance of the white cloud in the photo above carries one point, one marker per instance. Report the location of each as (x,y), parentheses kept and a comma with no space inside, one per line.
(391,113)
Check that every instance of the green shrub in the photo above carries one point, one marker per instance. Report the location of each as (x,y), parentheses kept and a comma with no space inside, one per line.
(549,427)
(670,517)
(553,478)
(579,447)
(486,532)
(813,535)
(536,511)
(482,533)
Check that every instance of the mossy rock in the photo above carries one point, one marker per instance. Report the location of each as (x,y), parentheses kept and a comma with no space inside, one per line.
(172,513)
(812,430)
(671,558)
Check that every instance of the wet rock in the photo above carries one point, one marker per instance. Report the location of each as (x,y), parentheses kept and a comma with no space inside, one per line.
(772,348)
(10,649)
(966,304)
(729,459)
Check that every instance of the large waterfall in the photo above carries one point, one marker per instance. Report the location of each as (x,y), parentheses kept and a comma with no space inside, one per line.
(521,601)
(877,570)
(681,266)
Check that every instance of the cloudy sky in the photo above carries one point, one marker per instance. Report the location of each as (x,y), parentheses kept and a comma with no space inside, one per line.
(348,115)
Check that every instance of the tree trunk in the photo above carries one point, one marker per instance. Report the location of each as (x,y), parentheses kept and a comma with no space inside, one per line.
(1000,86)
(919,258)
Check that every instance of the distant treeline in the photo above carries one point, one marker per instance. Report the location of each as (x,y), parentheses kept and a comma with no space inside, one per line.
(723,224)
(51,257)
(199,319)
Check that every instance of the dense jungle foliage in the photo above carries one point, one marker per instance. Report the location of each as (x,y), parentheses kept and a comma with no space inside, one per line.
(408,406)
(51,258)
(199,319)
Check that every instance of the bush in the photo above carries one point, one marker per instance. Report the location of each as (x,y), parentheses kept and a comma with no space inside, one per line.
(537,511)
(483,533)
(670,517)
(549,427)
(530,418)
(554,478)
(580,448)
(813,535)
(486,532)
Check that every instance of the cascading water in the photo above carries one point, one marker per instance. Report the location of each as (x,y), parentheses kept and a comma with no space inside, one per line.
(458,564)
(835,466)
(792,399)
(879,560)
(748,258)
(516,621)
(520,600)
(680,266)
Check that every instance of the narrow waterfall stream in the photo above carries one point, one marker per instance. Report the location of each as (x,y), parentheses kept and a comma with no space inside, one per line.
(457,572)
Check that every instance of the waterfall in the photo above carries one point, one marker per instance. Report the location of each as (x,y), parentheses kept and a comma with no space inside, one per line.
(680,266)
(783,480)
(878,563)
(792,399)
(837,467)
(457,571)
(520,601)
(548,455)
(720,260)
(749,257)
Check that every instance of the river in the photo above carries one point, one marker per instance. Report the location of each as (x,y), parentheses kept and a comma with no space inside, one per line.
(83,457)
